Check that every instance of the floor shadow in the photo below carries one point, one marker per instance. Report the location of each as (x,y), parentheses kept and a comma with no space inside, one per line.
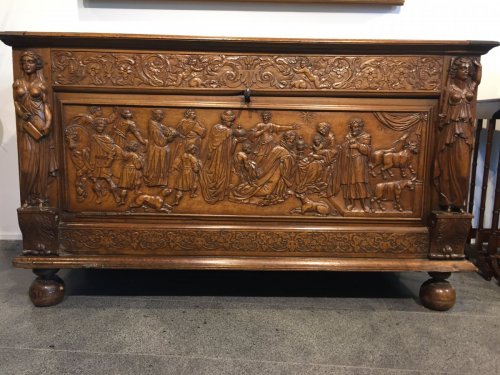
(235,283)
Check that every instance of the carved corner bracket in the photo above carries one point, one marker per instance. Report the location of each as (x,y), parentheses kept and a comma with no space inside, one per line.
(449,232)
(40,230)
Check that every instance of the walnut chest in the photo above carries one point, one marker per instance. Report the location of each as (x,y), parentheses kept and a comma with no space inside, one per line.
(226,153)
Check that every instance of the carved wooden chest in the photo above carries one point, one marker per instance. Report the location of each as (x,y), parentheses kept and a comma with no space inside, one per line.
(219,153)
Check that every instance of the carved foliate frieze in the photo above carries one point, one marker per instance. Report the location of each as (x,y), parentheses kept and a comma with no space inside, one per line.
(212,161)
(39,228)
(449,233)
(171,241)
(213,71)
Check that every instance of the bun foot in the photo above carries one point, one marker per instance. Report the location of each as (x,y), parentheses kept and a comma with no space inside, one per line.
(47,289)
(437,293)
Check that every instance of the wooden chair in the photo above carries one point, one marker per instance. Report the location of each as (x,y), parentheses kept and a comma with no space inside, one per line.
(485,248)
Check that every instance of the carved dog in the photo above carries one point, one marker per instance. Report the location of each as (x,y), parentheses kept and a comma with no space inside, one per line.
(309,206)
(151,201)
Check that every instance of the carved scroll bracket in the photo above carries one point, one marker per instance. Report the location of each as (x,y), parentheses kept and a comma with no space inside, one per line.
(448,234)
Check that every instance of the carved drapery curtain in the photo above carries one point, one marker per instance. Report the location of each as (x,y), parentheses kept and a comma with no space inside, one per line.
(402,121)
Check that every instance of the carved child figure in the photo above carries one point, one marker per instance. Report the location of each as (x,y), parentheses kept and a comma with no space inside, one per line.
(246,168)
(187,168)
(131,177)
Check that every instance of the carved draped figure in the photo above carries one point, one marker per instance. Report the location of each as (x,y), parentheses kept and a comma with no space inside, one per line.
(187,168)
(35,158)
(316,171)
(102,153)
(157,162)
(451,168)
(352,175)
(131,176)
(121,130)
(274,182)
(310,173)
(216,173)
(265,139)
(192,131)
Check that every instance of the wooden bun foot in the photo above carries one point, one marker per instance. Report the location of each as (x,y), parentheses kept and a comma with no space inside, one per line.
(437,293)
(47,289)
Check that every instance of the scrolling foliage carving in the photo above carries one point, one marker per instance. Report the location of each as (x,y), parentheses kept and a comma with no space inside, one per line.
(259,241)
(209,71)
(212,161)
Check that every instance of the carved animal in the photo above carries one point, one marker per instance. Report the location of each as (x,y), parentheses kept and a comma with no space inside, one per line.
(385,190)
(318,208)
(391,158)
(151,201)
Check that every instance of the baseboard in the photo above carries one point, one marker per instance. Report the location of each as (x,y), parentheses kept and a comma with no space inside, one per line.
(10,236)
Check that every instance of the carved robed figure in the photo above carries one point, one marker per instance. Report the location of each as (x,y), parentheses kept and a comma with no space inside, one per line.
(216,174)
(353,177)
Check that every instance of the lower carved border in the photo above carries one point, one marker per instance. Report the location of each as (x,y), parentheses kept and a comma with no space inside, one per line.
(243,242)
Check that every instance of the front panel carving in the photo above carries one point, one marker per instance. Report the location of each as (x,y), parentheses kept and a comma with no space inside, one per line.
(272,162)
(227,71)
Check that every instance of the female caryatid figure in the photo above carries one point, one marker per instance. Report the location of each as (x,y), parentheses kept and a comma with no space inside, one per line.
(452,163)
(35,117)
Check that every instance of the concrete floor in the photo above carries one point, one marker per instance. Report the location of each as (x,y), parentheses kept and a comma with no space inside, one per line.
(183,322)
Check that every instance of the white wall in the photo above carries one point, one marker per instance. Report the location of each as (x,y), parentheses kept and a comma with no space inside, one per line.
(417,19)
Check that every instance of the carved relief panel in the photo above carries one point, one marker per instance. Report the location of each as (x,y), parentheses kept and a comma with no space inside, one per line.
(216,156)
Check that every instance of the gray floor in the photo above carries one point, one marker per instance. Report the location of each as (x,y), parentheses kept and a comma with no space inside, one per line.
(183,322)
